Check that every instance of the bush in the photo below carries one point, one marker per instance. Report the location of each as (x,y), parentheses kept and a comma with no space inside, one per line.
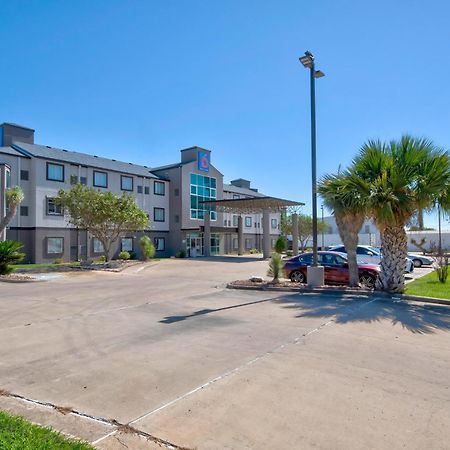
(254,250)
(147,247)
(275,267)
(9,254)
(132,255)
(124,255)
(58,261)
(180,254)
(280,244)
(101,259)
(442,267)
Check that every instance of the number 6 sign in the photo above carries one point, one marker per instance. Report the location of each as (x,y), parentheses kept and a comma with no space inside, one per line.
(203,161)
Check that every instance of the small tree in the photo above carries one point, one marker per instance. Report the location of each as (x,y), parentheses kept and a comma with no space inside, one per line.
(105,215)
(9,254)
(14,197)
(147,247)
(305,229)
(280,244)
(275,267)
(442,267)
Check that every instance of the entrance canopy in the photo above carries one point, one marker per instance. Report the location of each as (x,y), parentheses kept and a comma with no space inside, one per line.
(253,205)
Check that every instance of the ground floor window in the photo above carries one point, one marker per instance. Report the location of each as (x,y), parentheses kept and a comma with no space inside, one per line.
(98,246)
(127,244)
(55,245)
(215,244)
(273,242)
(160,244)
(235,244)
(274,224)
(248,244)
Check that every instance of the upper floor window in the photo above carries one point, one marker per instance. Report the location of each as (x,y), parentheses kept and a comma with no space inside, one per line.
(202,189)
(126,183)
(235,221)
(139,189)
(100,179)
(274,223)
(236,196)
(24,175)
(146,190)
(53,209)
(159,188)
(158,214)
(248,221)
(55,172)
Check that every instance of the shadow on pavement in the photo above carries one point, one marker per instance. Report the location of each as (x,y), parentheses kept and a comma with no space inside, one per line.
(344,308)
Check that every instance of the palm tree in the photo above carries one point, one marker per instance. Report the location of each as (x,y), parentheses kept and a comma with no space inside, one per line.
(342,194)
(14,197)
(398,179)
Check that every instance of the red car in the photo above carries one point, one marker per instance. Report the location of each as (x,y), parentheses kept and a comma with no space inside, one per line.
(336,269)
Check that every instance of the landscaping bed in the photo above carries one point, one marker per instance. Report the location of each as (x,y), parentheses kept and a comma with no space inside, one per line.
(17,433)
(429,286)
(17,278)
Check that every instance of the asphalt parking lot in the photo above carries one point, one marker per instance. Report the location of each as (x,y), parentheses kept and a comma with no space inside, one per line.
(172,352)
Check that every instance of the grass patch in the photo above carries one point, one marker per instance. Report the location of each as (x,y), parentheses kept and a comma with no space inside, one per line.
(17,433)
(429,286)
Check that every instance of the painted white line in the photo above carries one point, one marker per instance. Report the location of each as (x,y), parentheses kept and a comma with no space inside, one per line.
(237,369)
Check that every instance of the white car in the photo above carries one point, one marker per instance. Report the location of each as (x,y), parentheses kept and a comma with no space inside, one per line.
(420,260)
(369,254)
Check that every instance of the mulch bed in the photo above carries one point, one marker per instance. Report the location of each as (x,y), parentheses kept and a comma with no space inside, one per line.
(17,278)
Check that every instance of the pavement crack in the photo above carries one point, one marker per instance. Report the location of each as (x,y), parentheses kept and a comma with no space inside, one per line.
(125,428)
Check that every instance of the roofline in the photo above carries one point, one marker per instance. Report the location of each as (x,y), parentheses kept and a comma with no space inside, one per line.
(17,125)
(192,148)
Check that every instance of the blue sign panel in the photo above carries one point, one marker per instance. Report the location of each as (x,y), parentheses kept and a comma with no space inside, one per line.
(203,161)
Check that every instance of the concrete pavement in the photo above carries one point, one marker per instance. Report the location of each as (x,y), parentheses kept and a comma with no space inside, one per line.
(172,352)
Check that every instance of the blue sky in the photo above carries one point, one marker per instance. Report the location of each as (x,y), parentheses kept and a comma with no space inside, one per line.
(139,80)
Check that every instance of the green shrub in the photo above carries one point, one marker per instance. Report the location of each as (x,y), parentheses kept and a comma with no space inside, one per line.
(132,255)
(58,261)
(147,247)
(275,267)
(101,259)
(9,254)
(280,244)
(180,254)
(124,255)
(442,267)
(254,250)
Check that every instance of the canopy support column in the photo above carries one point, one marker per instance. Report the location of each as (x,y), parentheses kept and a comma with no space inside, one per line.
(240,235)
(295,234)
(266,233)
(207,235)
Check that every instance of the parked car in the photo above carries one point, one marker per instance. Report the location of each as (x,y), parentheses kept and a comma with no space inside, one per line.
(419,260)
(369,254)
(336,269)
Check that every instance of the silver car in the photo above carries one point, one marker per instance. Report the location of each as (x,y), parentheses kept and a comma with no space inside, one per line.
(420,260)
(369,254)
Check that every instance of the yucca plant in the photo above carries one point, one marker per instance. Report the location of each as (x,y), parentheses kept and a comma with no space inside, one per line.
(9,254)
(14,197)
(275,267)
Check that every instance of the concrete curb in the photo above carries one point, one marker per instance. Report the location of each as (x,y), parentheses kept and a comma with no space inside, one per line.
(393,296)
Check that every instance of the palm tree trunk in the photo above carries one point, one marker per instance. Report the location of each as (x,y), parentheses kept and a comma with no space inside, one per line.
(393,247)
(420,219)
(348,227)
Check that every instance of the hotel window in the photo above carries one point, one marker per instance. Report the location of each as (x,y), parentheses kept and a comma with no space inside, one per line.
(176,192)
(24,175)
(274,224)
(55,172)
(367,229)
(83,180)
(100,179)
(160,244)
(126,183)
(159,214)
(159,188)
(146,190)
(248,244)
(235,221)
(55,245)
(98,246)
(24,210)
(53,209)
(235,243)
(73,179)
(236,196)
(139,189)
(127,244)
(202,188)
(248,221)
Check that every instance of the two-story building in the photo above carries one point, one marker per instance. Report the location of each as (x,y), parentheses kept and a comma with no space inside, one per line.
(173,197)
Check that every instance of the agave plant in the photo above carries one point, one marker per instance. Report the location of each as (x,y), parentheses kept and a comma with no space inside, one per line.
(275,267)
(9,254)
(398,179)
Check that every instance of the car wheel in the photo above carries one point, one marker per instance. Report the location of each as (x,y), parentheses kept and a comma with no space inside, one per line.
(298,277)
(417,263)
(367,281)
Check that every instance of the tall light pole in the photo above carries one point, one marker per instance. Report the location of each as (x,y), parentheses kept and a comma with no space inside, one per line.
(308,62)
(322,246)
